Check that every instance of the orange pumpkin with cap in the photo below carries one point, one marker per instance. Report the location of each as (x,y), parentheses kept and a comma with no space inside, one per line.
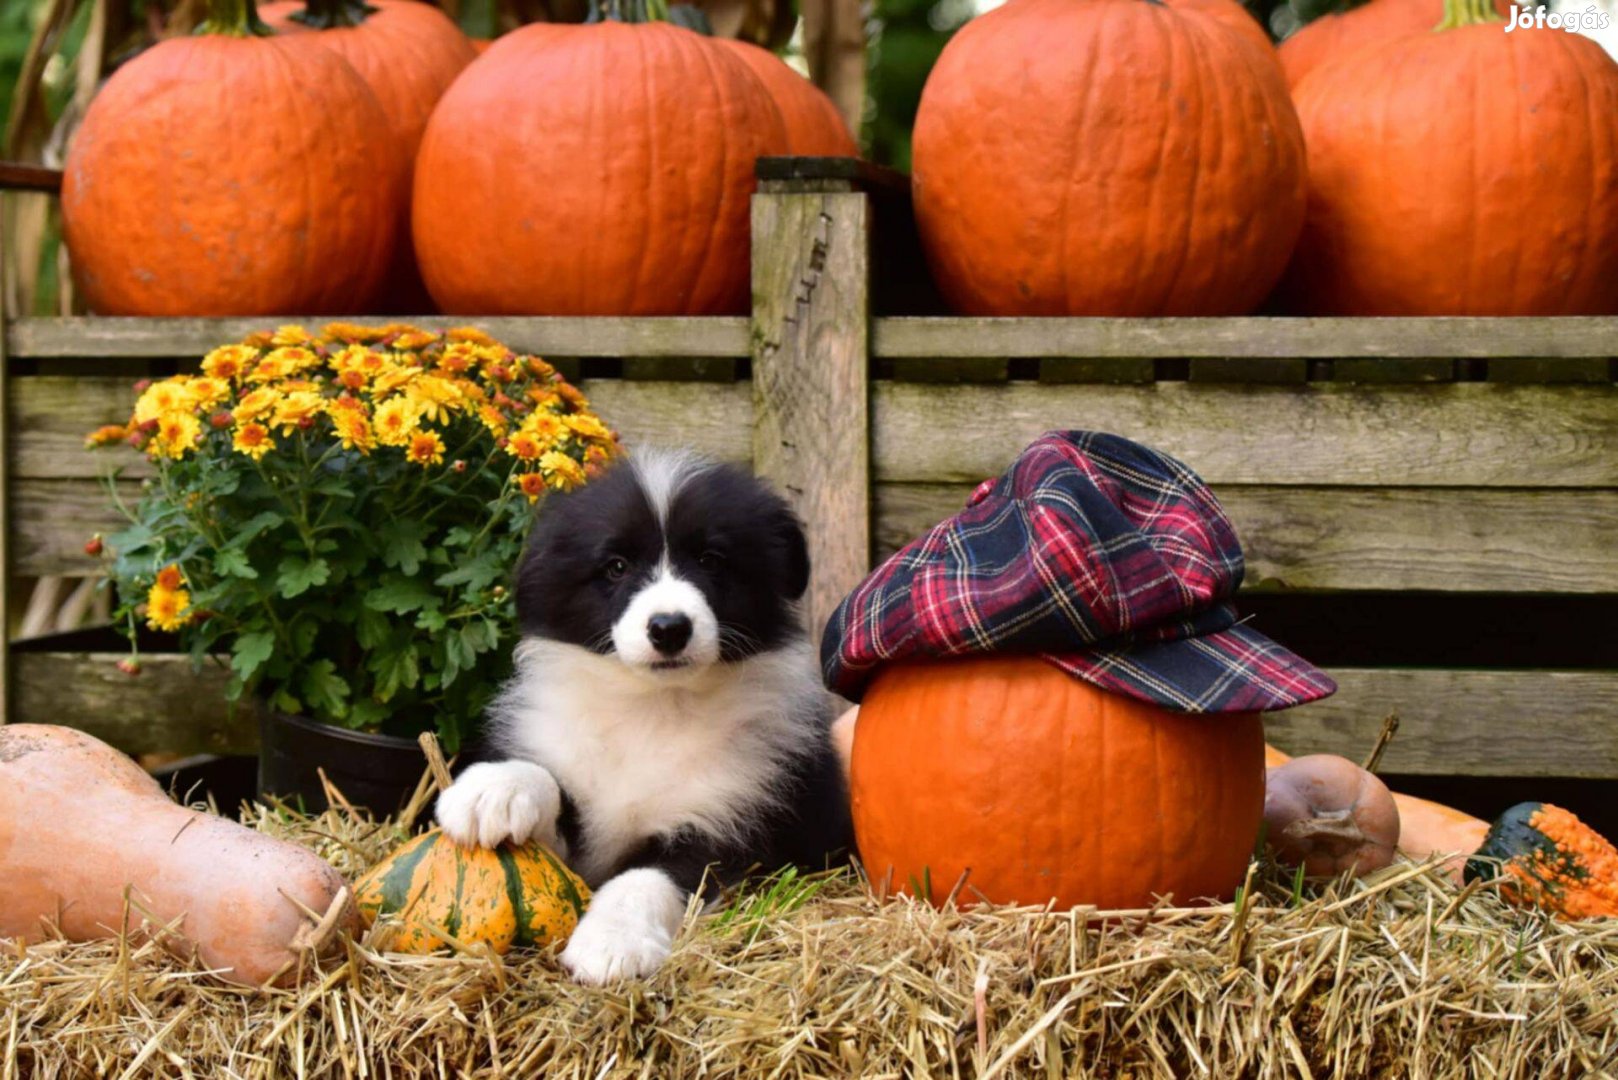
(1058,703)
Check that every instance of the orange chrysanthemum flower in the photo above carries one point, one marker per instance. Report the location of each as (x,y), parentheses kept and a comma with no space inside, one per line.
(169,578)
(426,448)
(253,440)
(532,484)
(107,435)
(229,361)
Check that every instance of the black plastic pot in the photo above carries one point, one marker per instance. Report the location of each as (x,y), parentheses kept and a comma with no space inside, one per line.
(376,772)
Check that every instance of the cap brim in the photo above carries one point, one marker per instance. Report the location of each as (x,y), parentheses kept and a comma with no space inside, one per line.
(1228,671)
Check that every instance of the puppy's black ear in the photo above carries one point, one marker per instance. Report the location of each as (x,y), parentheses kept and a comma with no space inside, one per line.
(792,549)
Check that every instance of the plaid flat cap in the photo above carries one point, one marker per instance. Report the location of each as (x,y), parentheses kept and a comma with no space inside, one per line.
(1109,559)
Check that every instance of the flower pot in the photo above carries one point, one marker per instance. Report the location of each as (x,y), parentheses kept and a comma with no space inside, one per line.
(374,772)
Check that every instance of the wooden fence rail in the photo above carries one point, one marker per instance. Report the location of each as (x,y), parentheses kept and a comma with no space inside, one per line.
(1449,457)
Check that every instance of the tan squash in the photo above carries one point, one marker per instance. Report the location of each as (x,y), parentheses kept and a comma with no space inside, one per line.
(80,824)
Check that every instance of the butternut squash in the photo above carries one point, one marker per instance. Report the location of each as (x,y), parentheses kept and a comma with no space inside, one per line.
(81,824)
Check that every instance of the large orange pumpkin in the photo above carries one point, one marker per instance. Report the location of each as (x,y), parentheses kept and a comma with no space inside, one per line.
(1439,187)
(1232,15)
(1044,787)
(814,127)
(408,53)
(599,169)
(1341,33)
(1107,157)
(232,174)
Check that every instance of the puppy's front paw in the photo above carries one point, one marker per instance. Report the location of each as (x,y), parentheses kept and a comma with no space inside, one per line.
(628,930)
(493,802)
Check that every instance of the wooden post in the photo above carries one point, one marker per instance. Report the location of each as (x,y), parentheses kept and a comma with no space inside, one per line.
(5,478)
(811,371)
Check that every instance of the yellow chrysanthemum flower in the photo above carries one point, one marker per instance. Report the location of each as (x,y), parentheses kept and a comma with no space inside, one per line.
(426,448)
(290,335)
(561,471)
(547,427)
(229,361)
(176,434)
(207,391)
(532,484)
(525,446)
(354,429)
(460,357)
(255,404)
(586,426)
(493,419)
(393,377)
(352,332)
(411,338)
(167,609)
(396,421)
(436,396)
(108,434)
(469,334)
(544,398)
(253,440)
(162,399)
(271,367)
(297,409)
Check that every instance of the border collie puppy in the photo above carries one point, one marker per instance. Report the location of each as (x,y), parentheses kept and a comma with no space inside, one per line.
(665,724)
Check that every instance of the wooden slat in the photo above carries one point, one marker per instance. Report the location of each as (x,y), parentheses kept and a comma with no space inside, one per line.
(811,377)
(1475,541)
(1253,336)
(20,176)
(47,338)
(1453,435)
(168,707)
(52,519)
(1472,723)
(712,418)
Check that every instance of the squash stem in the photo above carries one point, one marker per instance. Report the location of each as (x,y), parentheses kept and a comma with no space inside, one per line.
(234,18)
(1458,13)
(334,14)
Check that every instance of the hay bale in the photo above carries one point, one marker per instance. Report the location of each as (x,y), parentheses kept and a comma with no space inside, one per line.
(1395,975)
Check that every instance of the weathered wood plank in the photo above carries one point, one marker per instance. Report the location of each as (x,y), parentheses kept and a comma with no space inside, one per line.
(811,388)
(1448,540)
(1250,336)
(168,707)
(46,338)
(1453,435)
(53,413)
(1469,723)
(52,519)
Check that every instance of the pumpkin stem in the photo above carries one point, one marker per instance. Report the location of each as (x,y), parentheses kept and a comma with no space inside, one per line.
(234,18)
(1459,13)
(333,14)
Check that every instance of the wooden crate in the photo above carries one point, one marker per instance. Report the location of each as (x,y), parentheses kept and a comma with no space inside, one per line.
(1435,459)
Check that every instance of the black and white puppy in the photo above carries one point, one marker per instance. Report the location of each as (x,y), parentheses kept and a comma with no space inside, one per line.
(665,724)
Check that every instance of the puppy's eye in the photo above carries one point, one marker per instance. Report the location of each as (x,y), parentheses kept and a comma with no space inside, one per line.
(615,568)
(711,560)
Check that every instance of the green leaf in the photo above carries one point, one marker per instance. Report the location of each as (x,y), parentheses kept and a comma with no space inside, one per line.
(403,547)
(479,635)
(251,651)
(367,713)
(299,575)
(254,525)
(400,594)
(476,574)
(395,668)
(371,628)
(304,632)
(431,619)
(324,689)
(232,562)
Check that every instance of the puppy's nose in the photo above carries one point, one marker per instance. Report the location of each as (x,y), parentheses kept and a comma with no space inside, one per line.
(669,632)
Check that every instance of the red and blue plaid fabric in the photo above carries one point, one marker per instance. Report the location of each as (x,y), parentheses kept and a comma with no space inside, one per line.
(1109,559)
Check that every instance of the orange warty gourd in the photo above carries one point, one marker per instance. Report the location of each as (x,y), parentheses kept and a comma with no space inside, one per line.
(408,53)
(1428,189)
(1044,787)
(1341,33)
(1545,856)
(814,127)
(1053,175)
(598,169)
(229,173)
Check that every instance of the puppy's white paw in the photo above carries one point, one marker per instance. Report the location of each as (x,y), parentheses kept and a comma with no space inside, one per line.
(628,930)
(493,802)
